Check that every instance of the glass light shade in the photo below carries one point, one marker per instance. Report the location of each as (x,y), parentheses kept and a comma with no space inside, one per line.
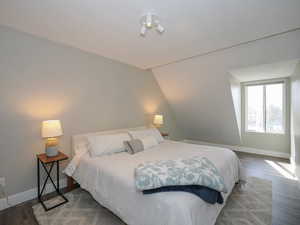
(158,120)
(51,128)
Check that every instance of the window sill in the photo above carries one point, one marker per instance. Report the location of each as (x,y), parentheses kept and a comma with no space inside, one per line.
(264,133)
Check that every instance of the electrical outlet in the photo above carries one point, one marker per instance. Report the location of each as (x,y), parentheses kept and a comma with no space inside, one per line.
(2,181)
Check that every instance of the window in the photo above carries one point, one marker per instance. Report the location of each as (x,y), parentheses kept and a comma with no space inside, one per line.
(265,107)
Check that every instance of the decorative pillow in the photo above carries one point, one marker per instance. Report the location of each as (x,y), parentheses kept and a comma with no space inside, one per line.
(140,134)
(134,146)
(107,144)
(138,145)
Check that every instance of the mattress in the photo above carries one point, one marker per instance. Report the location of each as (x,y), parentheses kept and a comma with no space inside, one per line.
(110,180)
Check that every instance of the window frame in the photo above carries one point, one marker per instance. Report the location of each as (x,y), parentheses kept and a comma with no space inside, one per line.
(284,104)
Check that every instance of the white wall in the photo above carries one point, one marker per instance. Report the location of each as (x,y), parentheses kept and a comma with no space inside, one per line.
(295,120)
(198,89)
(41,80)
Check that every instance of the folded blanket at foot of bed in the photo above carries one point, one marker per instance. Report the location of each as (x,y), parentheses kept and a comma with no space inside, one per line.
(206,194)
(191,171)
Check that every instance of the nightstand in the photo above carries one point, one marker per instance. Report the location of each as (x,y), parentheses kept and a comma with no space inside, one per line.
(164,135)
(44,160)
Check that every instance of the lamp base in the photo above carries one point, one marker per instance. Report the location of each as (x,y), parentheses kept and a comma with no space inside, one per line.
(51,151)
(51,147)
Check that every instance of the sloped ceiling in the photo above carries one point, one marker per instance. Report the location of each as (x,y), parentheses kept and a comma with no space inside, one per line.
(199,91)
(266,71)
(111,27)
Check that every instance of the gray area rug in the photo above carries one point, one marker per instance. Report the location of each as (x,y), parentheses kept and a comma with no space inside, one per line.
(247,206)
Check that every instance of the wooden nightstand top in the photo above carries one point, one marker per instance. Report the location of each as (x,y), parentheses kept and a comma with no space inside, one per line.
(45,159)
(164,134)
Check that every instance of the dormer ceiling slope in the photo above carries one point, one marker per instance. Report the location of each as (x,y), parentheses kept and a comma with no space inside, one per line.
(111,28)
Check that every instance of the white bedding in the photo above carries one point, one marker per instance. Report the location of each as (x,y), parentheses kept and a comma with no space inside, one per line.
(110,180)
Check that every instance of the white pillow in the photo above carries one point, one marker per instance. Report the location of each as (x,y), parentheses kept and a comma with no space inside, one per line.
(107,144)
(141,134)
(81,148)
(149,142)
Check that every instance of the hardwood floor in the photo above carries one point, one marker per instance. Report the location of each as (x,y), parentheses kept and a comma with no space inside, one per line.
(286,192)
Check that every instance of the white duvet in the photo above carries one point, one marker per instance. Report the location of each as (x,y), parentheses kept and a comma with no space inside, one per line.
(110,180)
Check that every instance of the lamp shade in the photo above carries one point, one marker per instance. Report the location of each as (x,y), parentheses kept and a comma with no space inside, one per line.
(158,120)
(51,128)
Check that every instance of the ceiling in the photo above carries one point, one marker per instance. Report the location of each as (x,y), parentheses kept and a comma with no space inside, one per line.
(266,71)
(111,27)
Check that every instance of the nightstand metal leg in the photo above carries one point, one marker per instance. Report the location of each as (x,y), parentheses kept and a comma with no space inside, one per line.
(57,175)
(38,177)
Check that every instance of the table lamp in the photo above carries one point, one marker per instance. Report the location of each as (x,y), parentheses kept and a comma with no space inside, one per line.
(158,120)
(51,129)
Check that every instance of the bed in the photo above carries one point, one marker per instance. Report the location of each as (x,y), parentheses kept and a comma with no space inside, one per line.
(110,180)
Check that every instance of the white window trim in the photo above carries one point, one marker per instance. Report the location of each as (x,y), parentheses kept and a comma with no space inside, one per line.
(284,104)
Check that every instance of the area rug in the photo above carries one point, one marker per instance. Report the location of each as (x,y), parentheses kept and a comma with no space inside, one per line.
(250,205)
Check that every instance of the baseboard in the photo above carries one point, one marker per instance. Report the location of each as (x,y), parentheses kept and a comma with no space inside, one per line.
(283,155)
(244,149)
(27,195)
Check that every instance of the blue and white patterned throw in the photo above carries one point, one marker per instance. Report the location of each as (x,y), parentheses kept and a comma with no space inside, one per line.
(191,171)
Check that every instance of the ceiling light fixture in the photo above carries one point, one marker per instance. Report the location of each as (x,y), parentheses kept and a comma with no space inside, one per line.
(150,21)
